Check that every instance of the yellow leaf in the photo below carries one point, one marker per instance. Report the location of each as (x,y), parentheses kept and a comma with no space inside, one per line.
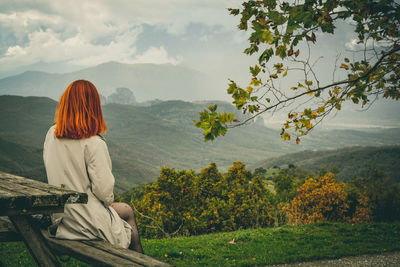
(273,76)
(249,89)
(336,90)
(232,242)
(344,66)
(285,73)
(285,136)
(308,82)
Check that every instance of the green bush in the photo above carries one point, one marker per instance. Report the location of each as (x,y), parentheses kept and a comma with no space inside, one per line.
(185,203)
(383,192)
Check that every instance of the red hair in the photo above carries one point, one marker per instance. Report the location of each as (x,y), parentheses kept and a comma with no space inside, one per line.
(79,112)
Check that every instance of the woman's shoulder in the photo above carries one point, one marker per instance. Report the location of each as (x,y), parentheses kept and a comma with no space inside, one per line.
(50,132)
(94,145)
(94,141)
(51,129)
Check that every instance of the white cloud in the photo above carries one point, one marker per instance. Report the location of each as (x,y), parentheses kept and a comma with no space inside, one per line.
(47,46)
(85,32)
(157,56)
(354,44)
(15,51)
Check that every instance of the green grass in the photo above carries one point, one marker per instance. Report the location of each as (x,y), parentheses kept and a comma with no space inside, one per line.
(255,247)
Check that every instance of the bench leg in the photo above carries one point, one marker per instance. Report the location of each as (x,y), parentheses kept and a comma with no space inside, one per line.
(34,240)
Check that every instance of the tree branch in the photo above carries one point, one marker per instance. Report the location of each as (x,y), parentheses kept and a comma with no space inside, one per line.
(366,74)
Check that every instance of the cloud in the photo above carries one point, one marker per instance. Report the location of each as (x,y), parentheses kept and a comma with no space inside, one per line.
(156,56)
(91,32)
(355,45)
(49,46)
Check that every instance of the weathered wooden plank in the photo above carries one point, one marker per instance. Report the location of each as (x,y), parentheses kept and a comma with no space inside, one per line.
(9,236)
(9,198)
(7,231)
(33,197)
(26,181)
(20,188)
(34,241)
(65,194)
(18,193)
(86,253)
(40,210)
(127,254)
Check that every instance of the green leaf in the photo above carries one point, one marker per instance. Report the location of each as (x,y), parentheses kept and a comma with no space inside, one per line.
(212,108)
(266,55)
(251,50)
(267,36)
(234,11)
(255,70)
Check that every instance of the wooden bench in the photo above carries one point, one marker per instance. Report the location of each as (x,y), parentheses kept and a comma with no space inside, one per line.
(20,197)
(94,252)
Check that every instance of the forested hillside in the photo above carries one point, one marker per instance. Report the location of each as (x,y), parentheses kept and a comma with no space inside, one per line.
(21,160)
(349,162)
(143,139)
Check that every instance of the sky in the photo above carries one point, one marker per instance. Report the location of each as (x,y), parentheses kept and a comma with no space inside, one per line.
(88,33)
(74,34)
(62,36)
(68,35)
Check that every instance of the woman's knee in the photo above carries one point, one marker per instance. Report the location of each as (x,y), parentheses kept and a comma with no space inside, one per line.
(124,210)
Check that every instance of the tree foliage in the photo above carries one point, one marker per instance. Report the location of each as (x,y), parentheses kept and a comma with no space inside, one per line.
(186,203)
(325,199)
(281,34)
(182,202)
(383,194)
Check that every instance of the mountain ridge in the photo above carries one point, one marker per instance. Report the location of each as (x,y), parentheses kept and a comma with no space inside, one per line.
(148,81)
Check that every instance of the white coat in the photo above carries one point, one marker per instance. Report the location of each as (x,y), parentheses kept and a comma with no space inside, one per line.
(84,165)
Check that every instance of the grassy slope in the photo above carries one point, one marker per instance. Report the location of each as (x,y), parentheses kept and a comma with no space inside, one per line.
(350,161)
(142,139)
(255,247)
(21,160)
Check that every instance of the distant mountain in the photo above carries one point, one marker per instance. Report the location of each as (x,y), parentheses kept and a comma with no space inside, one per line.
(123,96)
(142,139)
(148,81)
(350,162)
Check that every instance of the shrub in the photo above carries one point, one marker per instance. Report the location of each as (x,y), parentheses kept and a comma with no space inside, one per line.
(185,203)
(318,200)
(326,199)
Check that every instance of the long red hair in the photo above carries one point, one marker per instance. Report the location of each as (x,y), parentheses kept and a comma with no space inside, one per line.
(79,112)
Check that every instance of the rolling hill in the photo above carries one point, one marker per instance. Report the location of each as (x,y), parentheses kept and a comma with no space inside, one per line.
(143,139)
(350,161)
(22,160)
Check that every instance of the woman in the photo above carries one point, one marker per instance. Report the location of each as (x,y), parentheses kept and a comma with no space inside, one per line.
(76,157)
